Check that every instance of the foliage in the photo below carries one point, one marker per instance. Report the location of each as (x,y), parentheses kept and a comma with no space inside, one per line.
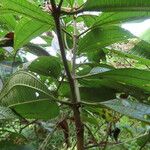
(89,95)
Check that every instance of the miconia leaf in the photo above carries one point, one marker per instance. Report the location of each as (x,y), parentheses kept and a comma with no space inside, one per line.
(9,20)
(27,9)
(109,18)
(117,5)
(131,81)
(46,65)
(129,108)
(101,37)
(141,49)
(26,30)
(29,97)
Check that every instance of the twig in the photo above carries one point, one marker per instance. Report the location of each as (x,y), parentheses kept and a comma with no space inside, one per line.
(147,67)
(27,125)
(66,32)
(84,32)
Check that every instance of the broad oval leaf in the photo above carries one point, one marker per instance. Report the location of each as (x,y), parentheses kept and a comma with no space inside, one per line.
(46,65)
(26,30)
(90,94)
(36,49)
(101,37)
(29,97)
(128,76)
(141,49)
(107,18)
(117,5)
(129,108)
(97,94)
(131,81)
(25,8)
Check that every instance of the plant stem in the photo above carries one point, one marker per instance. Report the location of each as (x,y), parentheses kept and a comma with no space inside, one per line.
(56,11)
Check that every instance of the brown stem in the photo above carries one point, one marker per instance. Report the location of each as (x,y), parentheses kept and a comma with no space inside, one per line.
(78,123)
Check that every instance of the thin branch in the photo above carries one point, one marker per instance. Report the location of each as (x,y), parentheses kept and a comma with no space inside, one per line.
(56,15)
(86,76)
(84,32)
(19,115)
(66,32)
(147,67)
(27,125)
(78,123)
(74,50)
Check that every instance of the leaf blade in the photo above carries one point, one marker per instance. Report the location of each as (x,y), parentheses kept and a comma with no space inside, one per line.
(23,91)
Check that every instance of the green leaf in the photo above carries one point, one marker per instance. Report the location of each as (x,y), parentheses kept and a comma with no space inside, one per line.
(142,49)
(71,2)
(88,117)
(101,93)
(93,67)
(89,20)
(36,49)
(97,94)
(46,65)
(117,5)
(27,9)
(29,97)
(26,30)
(102,37)
(96,56)
(132,109)
(8,20)
(107,18)
(118,86)
(37,109)
(128,76)
(131,81)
